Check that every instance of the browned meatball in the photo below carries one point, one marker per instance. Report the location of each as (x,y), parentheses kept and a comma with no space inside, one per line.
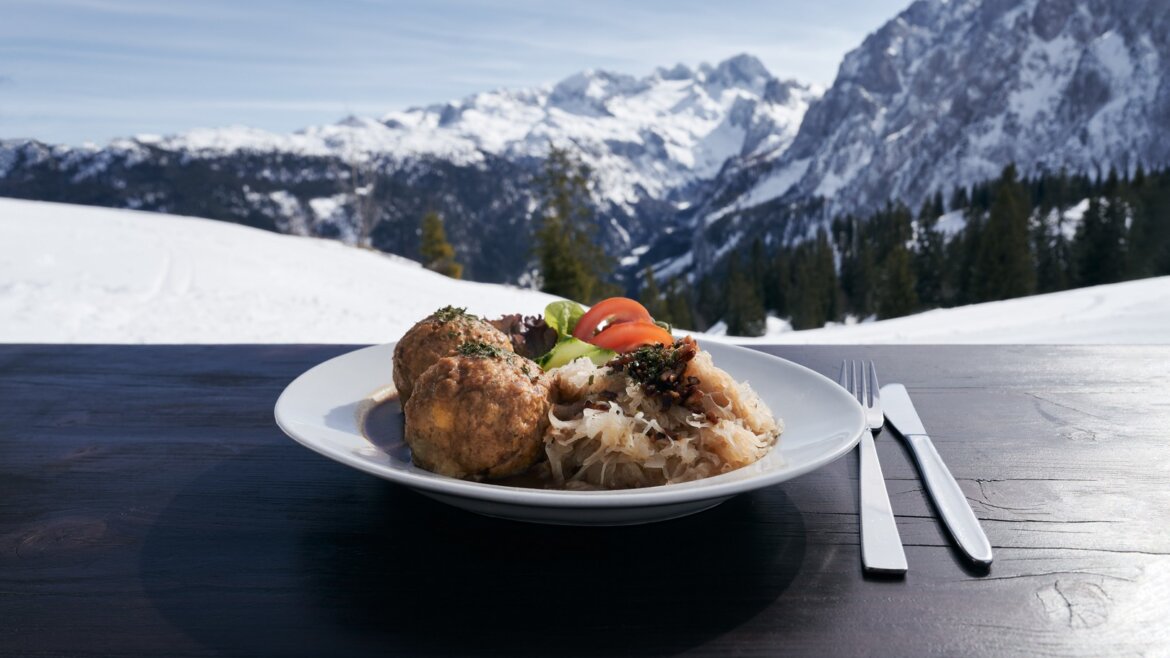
(433,338)
(480,413)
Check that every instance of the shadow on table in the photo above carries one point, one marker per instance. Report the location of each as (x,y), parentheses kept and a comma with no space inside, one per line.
(271,553)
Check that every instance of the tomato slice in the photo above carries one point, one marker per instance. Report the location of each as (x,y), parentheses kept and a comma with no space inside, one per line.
(629,336)
(616,310)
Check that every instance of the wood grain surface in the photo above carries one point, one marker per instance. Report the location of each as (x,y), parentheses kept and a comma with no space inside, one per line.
(150,506)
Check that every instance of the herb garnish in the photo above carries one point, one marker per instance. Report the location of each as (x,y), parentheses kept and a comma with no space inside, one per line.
(661,370)
(449,313)
(479,349)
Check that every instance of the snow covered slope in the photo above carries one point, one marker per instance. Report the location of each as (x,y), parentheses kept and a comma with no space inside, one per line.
(1133,312)
(84,274)
(78,274)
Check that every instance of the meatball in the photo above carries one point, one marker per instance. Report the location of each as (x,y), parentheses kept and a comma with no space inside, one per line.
(480,413)
(434,338)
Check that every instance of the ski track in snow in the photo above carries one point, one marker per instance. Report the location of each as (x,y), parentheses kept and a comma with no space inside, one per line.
(77,274)
(80,274)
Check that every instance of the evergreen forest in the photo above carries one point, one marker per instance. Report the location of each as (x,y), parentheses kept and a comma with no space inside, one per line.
(1002,238)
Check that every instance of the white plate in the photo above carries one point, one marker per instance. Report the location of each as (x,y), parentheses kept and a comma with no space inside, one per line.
(323,409)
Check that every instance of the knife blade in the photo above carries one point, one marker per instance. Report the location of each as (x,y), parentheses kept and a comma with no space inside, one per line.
(948,497)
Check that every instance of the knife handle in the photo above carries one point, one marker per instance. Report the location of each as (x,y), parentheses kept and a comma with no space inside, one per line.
(950,500)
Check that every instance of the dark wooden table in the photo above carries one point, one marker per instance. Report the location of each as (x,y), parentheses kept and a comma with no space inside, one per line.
(149,505)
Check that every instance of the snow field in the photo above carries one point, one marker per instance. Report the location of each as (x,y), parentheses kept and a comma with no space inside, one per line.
(79,274)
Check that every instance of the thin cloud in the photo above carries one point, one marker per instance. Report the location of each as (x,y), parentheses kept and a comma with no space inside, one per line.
(142,65)
(132,8)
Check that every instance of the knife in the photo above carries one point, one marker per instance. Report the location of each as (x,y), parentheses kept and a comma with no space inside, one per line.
(947,495)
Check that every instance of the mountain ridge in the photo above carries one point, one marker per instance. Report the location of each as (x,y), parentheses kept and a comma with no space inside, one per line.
(688,162)
(652,142)
(947,93)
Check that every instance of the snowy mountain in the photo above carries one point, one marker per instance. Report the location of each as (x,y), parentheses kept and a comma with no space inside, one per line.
(949,92)
(651,142)
(644,137)
(689,163)
(80,274)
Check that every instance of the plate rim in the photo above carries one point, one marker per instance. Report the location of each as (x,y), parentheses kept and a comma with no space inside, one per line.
(558,498)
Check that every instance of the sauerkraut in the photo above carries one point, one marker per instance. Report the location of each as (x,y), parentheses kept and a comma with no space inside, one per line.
(612,428)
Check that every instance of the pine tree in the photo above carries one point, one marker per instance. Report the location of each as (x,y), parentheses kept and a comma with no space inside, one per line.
(757,270)
(675,306)
(829,287)
(856,278)
(966,275)
(745,311)
(952,272)
(865,281)
(929,255)
(651,296)
(815,295)
(572,264)
(1158,209)
(778,282)
(437,253)
(1100,245)
(1004,261)
(896,294)
(981,196)
(1050,247)
(937,208)
(959,199)
(1148,240)
(711,303)
(678,306)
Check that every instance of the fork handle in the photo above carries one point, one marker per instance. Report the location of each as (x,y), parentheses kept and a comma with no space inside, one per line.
(881,546)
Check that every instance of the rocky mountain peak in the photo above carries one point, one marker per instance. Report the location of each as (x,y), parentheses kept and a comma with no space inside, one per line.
(742,71)
(948,92)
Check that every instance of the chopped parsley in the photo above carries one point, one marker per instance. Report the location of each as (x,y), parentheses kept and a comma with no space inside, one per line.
(661,370)
(478,348)
(449,313)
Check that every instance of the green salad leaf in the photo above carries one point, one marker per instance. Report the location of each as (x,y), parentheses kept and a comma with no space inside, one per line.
(563,317)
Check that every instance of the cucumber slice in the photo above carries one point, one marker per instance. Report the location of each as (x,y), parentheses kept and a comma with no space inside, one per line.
(571,349)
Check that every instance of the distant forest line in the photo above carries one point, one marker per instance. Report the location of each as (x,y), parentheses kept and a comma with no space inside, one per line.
(1019,236)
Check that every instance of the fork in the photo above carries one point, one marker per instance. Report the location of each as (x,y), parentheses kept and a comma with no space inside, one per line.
(881,546)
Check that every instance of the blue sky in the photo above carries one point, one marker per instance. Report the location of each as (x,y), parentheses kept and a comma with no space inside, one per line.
(90,70)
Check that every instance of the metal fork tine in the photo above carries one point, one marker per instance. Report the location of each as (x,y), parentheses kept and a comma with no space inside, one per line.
(858,384)
(853,380)
(875,392)
(847,377)
(859,376)
(864,387)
